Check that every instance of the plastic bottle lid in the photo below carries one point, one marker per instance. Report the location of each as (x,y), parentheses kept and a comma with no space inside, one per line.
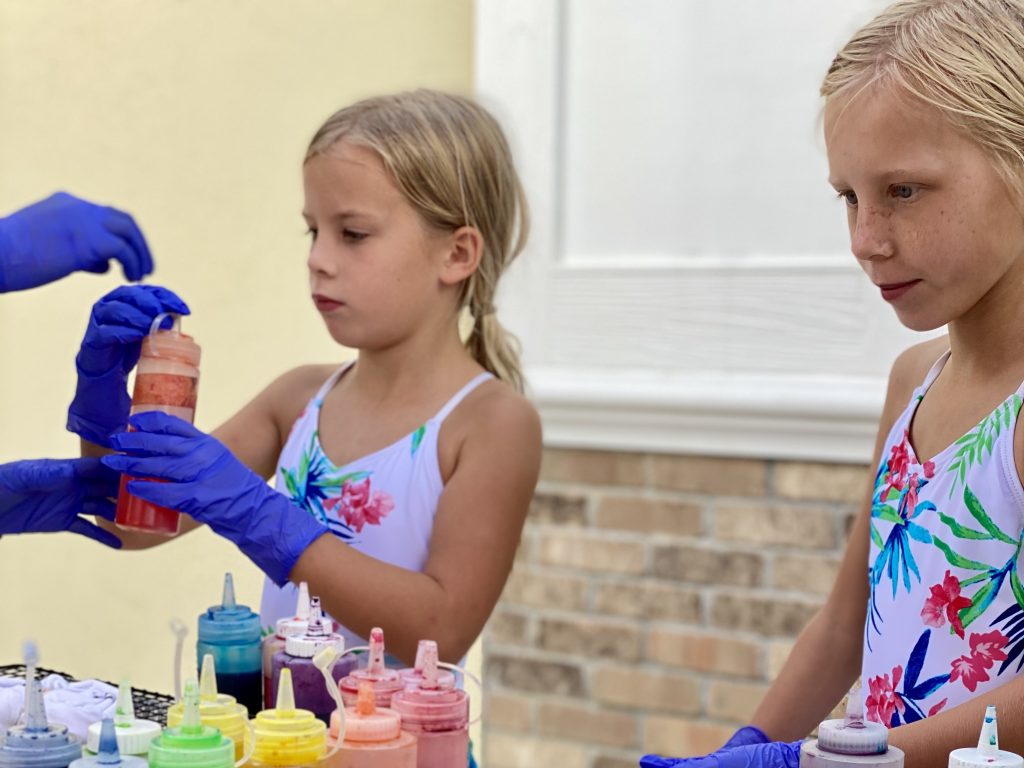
(366,722)
(315,636)
(987,753)
(217,710)
(229,622)
(425,705)
(412,675)
(385,681)
(133,734)
(37,743)
(297,624)
(853,735)
(286,736)
(172,343)
(108,752)
(191,744)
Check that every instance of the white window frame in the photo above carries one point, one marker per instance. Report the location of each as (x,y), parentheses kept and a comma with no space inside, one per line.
(576,319)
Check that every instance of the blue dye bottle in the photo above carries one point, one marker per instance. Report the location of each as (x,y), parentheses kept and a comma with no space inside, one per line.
(231,633)
(37,744)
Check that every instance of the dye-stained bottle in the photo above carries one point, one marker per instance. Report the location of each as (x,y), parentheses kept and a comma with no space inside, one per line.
(167,380)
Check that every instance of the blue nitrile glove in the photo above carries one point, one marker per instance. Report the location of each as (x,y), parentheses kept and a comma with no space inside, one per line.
(64,234)
(118,323)
(49,495)
(774,754)
(208,483)
(748,734)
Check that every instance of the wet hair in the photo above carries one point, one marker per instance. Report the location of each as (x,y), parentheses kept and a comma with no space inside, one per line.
(962,57)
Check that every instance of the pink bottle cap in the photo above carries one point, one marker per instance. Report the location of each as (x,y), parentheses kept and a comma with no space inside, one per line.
(385,682)
(413,675)
(366,722)
(427,706)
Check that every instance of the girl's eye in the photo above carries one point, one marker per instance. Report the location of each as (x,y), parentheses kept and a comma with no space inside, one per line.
(849,197)
(353,236)
(312,233)
(902,191)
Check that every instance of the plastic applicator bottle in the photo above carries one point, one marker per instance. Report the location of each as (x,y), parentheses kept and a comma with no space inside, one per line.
(38,743)
(133,734)
(108,752)
(850,741)
(231,632)
(191,744)
(285,628)
(286,737)
(386,682)
(987,753)
(216,710)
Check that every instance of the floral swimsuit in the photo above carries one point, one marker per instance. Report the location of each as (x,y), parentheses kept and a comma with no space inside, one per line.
(382,504)
(945,618)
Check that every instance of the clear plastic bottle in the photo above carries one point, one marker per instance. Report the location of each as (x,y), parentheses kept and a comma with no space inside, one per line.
(307,680)
(386,682)
(274,642)
(437,713)
(167,380)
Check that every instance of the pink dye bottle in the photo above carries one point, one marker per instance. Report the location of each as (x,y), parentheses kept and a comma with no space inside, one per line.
(373,736)
(167,380)
(386,682)
(437,713)
(412,675)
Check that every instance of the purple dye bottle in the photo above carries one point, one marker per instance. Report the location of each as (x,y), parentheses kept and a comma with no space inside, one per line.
(307,681)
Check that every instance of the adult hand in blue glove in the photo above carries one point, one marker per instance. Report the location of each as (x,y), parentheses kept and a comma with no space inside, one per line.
(110,349)
(775,754)
(63,234)
(207,482)
(50,495)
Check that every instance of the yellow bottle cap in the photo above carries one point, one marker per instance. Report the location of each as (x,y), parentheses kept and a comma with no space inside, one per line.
(286,736)
(217,710)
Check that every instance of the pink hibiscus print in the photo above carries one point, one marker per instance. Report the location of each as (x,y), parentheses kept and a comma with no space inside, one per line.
(357,506)
(882,700)
(989,648)
(945,605)
(899,463)
(986,650)
(969,669)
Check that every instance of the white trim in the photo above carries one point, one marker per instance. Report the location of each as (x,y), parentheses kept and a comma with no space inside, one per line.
(719,353)
(825,419)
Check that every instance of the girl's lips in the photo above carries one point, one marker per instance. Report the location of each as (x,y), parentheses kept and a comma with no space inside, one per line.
(893,291)
(325,304)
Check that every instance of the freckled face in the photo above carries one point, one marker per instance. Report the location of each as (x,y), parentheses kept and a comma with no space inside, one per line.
(931,221)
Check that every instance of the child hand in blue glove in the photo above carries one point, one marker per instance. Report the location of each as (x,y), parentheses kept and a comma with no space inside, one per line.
(110,349)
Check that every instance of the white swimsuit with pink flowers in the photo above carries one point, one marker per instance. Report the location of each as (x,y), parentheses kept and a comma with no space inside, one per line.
(382,504)
(945,621)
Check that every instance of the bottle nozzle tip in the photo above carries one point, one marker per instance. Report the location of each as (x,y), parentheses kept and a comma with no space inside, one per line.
(228,600)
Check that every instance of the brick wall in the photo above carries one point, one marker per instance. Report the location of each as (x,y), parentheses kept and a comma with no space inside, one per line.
(653,599)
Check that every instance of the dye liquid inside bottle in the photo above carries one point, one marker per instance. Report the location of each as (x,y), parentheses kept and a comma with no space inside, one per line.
(231,634)
(167,380)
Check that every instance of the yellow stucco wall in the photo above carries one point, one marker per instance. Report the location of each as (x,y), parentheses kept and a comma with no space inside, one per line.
(194,116)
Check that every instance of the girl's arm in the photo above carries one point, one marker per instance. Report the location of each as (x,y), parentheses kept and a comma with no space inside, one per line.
(827,656)
(477,528)
(928,742)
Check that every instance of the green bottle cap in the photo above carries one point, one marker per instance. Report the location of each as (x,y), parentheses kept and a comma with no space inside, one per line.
(191,744)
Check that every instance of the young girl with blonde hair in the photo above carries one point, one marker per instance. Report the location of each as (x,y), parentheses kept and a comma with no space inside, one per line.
(924,128)
(403,479)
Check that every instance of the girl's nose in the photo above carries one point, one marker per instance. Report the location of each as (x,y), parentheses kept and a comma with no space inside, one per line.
(871,235)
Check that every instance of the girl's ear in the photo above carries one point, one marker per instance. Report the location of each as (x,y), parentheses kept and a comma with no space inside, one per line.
(466,247)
